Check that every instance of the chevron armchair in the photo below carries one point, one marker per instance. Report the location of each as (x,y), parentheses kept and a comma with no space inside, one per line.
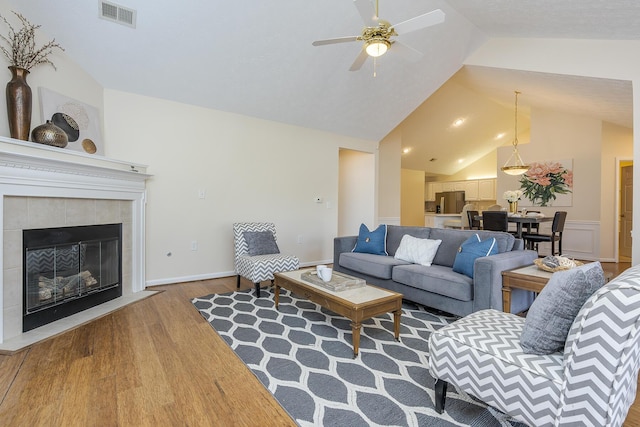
(592,383)
(258,267)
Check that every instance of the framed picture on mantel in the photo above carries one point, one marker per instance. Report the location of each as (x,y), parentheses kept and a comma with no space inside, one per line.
(80,121)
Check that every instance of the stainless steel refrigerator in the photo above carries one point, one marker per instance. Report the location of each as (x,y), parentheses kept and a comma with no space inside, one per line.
(450,202)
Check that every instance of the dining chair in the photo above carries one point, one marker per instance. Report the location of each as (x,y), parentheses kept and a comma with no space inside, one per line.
(474,224)
(495,221)
(557,227)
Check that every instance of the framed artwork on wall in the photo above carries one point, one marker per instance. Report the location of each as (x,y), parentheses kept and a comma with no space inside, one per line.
(548,183)
(80,121)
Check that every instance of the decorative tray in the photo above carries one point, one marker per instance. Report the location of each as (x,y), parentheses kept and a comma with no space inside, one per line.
(562,264)
(339,281)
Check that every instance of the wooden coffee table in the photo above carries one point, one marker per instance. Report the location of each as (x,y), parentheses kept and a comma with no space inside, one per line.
(356,304)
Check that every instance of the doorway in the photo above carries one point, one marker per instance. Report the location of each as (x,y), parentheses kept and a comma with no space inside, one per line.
(356,191)
(625,219)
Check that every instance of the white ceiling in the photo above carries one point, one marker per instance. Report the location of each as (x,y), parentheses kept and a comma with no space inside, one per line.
(255,57)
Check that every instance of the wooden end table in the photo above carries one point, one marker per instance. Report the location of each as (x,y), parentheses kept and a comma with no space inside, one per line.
(356,304)
(529,278)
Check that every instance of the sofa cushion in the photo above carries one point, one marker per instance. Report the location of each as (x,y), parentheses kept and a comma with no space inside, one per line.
(379,266)
(417,251)
(260,243)
(552,313)
(372,242)
(395,233)
(471,249)
(452,239)
(436,278)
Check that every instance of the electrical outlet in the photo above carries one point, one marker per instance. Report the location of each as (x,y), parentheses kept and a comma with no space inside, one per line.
(299,239)
(201,193)
(194,245)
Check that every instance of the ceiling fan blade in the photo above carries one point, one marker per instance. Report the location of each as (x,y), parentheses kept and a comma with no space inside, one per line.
(419,22)
(367,12)
(357,64)
(406,51)
(334,41)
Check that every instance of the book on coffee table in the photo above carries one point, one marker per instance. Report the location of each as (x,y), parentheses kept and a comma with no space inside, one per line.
(339,281)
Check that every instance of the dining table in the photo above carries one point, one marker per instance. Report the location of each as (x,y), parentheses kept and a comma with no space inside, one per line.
(523,220)
(527,220)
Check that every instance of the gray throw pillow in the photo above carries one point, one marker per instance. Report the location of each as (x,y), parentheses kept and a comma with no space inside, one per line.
(552,313)
(260,243)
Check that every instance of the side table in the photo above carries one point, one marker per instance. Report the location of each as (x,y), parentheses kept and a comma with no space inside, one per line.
(529,278)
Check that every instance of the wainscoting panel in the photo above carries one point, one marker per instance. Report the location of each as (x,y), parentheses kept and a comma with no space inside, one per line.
(389,220)
(581,240)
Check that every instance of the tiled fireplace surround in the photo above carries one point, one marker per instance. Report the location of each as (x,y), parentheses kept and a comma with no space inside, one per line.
(42,187)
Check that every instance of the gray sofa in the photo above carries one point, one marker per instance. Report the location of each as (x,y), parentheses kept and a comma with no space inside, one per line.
(438,286)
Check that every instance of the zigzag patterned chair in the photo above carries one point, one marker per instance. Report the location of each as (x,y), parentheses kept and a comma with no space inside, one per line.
(258,267)
(593,383)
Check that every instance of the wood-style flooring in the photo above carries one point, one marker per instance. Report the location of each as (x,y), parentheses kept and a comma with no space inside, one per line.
(156,362)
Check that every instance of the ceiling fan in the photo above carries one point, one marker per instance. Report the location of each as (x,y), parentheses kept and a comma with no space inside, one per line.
(378,32)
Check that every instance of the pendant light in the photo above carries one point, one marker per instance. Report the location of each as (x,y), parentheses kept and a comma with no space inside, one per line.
(515,165)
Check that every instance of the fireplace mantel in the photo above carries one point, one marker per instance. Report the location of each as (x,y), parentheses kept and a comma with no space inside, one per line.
(38,171)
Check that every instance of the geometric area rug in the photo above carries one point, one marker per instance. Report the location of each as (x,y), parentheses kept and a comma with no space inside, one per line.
(302,353)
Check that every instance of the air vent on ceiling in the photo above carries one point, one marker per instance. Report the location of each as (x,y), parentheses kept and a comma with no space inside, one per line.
(116,13)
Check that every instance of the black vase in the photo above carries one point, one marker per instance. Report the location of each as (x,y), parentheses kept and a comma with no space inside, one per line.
(19,104)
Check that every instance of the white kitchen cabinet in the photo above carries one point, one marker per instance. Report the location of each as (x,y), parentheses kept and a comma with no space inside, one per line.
(459,185)
(487,189)
(429,194)
(448,186)
(470,190)
(429,220)
(437,188)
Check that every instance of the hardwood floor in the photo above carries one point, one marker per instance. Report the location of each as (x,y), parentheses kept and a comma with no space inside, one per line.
(155,362)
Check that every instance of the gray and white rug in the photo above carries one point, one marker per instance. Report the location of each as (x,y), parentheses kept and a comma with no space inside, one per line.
(303,355)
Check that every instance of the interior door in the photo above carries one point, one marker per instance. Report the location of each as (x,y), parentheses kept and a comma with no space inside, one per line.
(626,212)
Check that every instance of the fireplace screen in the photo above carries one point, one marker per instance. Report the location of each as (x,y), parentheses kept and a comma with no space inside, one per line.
(68,270)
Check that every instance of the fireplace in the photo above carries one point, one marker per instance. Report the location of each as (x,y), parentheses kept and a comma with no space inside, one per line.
(68,270)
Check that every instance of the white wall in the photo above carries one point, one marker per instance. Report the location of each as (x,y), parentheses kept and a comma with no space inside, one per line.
(250,169)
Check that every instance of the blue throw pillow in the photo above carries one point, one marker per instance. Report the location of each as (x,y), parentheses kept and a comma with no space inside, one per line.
(471,249)
(372,242)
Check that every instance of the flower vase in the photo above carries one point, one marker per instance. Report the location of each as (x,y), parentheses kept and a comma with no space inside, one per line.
(513,207)
(19,104)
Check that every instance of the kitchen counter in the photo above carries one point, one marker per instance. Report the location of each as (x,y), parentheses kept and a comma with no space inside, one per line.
(432,219)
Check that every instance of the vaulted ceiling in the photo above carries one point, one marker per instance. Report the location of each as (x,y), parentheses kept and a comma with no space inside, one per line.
(255,57)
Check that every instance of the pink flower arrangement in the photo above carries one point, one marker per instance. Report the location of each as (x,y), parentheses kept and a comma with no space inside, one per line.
(543,181)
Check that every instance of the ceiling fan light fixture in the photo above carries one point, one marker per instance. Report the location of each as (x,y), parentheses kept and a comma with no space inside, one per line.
(515,165)
(377,47)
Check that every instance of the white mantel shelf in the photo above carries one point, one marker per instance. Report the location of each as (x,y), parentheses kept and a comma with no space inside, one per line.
(29,169)
(30,155)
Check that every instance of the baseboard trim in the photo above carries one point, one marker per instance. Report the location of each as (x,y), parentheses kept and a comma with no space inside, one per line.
(219,275)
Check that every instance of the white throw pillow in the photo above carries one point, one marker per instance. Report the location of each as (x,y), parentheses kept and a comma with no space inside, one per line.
(417,251)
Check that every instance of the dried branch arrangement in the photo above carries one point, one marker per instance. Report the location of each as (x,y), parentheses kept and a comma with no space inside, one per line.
(21,51)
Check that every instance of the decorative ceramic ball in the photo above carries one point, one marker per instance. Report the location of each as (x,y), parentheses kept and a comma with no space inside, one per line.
(49,134)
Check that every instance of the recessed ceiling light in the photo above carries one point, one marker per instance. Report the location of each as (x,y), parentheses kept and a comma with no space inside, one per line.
(458,122)
(406,150)
(500,135)
(460,160)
